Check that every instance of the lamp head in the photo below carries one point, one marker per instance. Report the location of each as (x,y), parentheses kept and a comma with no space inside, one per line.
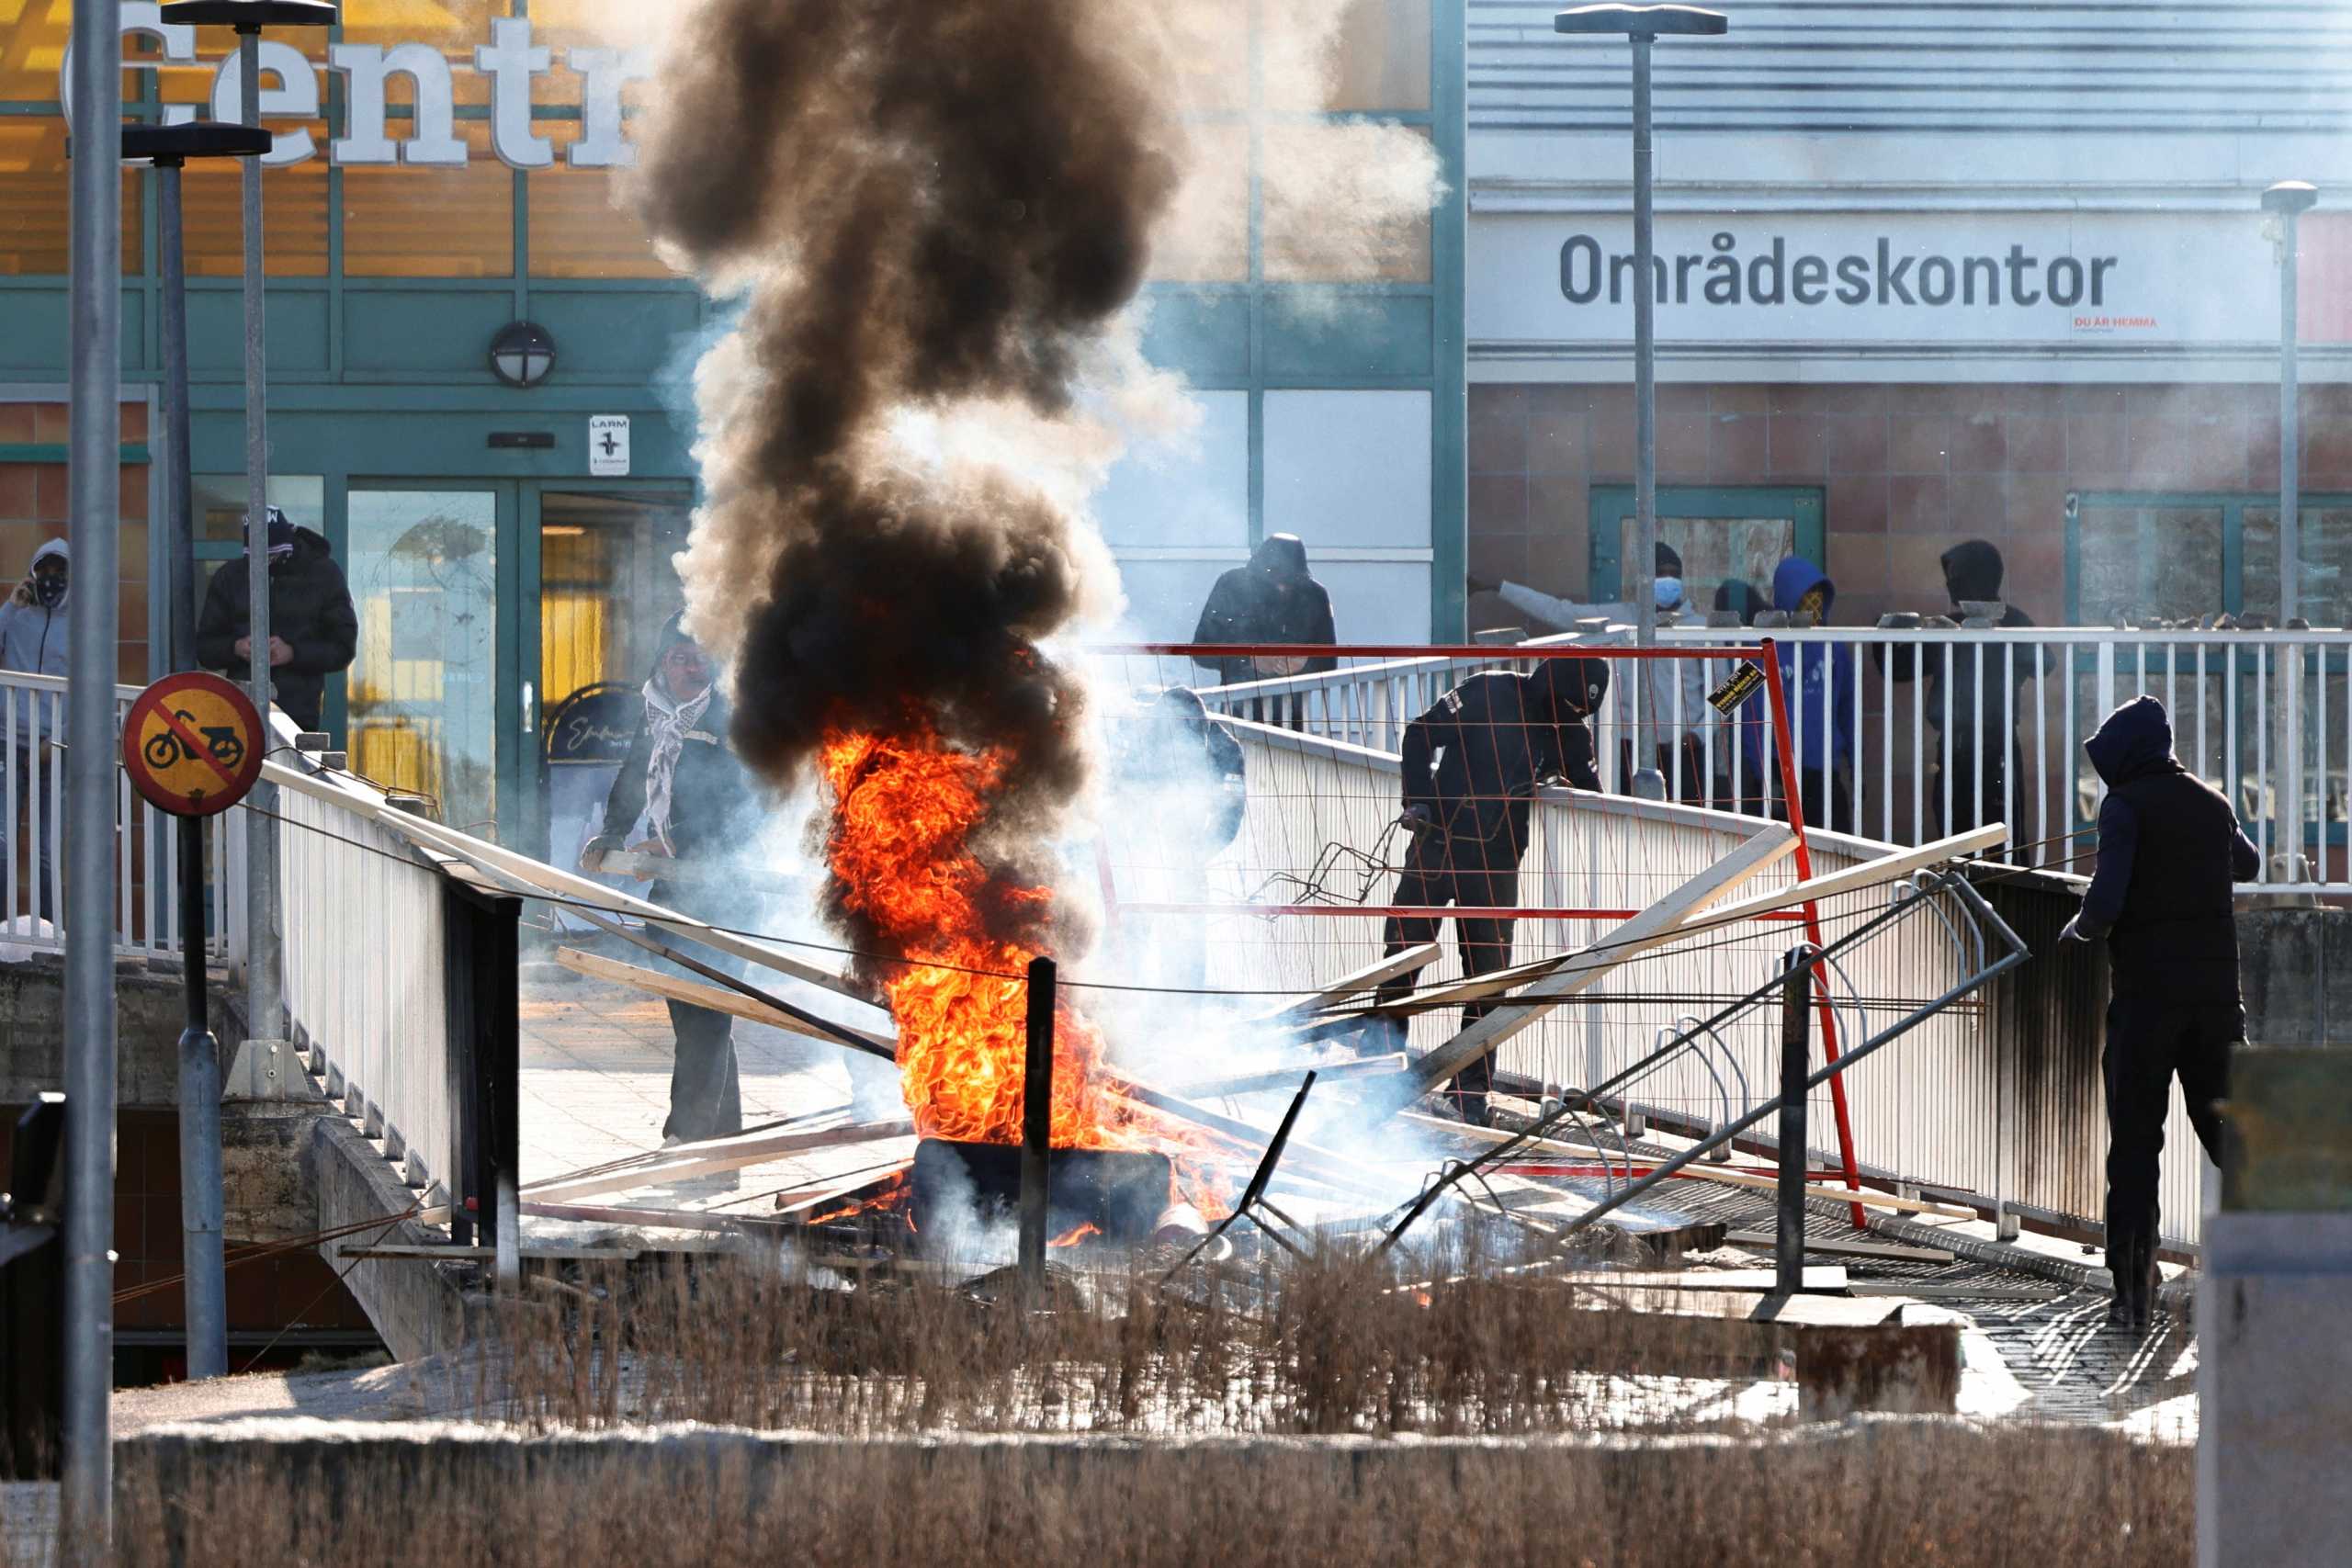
(1643,21)
(251,15)
(2290,197)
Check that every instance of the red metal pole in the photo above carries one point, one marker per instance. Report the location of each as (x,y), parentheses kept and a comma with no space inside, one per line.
(1795,799)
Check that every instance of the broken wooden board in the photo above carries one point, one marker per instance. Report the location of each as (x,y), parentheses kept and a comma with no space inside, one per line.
(1390,967)
(1826,1279)
(1654,927)
(1859,878)
(693,993)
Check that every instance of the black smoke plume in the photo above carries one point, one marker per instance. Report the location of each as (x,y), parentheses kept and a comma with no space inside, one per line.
(927,203)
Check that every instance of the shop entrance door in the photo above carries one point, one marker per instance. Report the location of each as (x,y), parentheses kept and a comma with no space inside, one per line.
(485,606)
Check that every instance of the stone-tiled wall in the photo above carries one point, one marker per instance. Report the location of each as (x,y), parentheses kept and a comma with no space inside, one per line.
(1905,471)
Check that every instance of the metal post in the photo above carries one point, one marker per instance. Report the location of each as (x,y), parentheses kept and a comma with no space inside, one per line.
(95,497)
(261,1065)
(1644,573)
(2290,555)
(1037,1123)
(1788,1230)
(204,1288)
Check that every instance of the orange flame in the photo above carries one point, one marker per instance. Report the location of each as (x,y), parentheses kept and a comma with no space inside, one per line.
(904,808)
(1075,1233)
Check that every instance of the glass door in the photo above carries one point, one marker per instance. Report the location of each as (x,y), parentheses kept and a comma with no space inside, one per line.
(427,705)
(605,583)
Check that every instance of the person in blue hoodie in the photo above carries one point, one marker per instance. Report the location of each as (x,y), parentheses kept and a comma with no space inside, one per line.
(1820,680)
(2170,854)
(34,627)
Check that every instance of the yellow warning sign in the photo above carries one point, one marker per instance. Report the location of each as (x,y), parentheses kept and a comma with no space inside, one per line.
(193,745)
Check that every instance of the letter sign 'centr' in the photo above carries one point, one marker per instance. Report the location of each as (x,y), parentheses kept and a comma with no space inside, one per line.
(290,90)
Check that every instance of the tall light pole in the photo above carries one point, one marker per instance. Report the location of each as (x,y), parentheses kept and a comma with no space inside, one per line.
(2286,201)
(1643,25)
(261,1070)
(94,479)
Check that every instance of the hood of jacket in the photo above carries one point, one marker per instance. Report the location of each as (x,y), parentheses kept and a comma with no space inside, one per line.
(1281,555)
(2135,739)
(1973,570)
(1573,687)
(55,549)
(1740,597)
(1798,577)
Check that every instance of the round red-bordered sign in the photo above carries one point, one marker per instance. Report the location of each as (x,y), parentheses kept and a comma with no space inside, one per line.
(192,745)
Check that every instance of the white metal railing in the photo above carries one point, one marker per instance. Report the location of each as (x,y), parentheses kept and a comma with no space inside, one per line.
(32,831)
(2264,717)
(1943,1107)
(365,967)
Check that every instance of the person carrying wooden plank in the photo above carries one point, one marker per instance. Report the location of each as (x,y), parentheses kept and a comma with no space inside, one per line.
(690,790)
(1471,765)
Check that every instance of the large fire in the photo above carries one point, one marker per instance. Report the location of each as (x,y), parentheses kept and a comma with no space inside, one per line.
(905,805)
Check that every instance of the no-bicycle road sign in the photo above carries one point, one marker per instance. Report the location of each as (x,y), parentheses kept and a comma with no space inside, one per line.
(192,745)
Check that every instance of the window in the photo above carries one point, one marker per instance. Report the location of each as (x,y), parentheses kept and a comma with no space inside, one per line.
(2184,557)
(1723,534)
(578,228)
(36,203)
(412,221)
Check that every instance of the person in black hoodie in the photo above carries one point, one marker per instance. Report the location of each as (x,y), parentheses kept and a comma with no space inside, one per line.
(1471,767)
(692,792)
(1981,768)
(2170,852)
(1271,599)
(313,630)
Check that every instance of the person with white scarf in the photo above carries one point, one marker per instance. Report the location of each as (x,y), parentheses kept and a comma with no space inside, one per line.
(686,787)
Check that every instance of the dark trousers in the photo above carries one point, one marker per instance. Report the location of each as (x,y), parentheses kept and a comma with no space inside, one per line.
(1474,873)
(2150,1039)
(706,1095)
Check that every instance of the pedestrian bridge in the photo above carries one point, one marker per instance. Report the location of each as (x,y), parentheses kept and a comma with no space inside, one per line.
(458,1072)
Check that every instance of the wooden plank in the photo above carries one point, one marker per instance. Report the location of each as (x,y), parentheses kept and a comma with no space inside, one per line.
(1862,878)
(677,988)
(1652,927)
(1837,1247)
(547,879)
(1288,1077)
(531,1251)
(1389,967)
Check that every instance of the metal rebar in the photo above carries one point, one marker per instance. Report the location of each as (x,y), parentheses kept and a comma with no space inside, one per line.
(1036,1123)
(1645,566)
(1788,1230)
(95,481)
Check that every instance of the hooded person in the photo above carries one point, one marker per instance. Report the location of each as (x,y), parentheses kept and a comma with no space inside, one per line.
(1821,682)
(691,794)
(1982,764)
(35,627)
(2170,855)
(314,629)
(1470,768)
(1272,599)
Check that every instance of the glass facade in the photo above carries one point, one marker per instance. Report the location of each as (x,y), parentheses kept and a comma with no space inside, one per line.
(423,196)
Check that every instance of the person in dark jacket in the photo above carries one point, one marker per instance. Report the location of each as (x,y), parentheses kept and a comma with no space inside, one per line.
(313,630)
(35,625)
(1470,767)
(692,793)
(1271,599)
(1820,680)
(2170,852)
(1982,768)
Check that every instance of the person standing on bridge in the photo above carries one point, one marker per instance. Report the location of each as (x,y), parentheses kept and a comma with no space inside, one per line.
(34,624)
(690,791)
(1471,767)
(2170,853)
(314,629)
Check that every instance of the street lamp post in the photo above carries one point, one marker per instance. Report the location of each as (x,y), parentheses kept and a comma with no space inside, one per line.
(1643,25)
(204,1288)
(261,1071)
(2286,201)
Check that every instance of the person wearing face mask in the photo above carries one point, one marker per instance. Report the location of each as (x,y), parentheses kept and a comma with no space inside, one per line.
(314,629)
(682,780)
(34,626)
